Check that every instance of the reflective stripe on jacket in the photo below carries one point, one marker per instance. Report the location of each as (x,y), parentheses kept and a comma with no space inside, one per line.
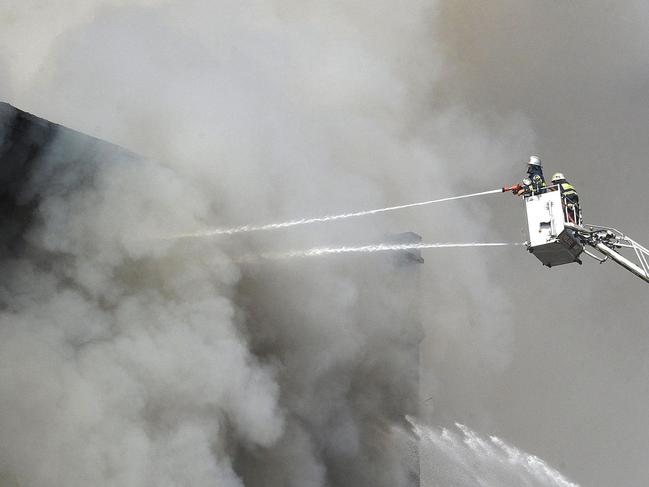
(569,192)
(568,188)
(538,183)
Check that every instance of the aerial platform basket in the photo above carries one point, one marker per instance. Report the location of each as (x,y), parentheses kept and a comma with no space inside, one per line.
(550,240)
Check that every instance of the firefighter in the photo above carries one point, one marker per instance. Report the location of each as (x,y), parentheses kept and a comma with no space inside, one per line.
(569,198)
(535,182)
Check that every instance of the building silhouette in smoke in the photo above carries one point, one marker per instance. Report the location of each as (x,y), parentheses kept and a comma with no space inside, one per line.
(40,159)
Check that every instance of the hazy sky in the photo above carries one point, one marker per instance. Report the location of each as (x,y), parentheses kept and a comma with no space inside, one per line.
(576,390)
(283,109)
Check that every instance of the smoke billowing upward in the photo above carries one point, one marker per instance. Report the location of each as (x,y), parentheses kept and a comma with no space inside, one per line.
(129,360)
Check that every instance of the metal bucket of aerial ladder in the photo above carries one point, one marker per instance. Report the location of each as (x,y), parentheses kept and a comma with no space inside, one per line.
(557,236)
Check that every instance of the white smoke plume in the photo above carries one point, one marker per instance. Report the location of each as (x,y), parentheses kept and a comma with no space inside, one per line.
(130,362)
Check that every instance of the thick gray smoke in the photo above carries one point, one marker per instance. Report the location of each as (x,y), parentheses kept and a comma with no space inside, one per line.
(128,360)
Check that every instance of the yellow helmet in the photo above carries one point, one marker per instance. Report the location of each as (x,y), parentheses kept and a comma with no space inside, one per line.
(558,176)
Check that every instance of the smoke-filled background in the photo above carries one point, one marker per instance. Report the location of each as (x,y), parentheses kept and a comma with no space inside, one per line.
(132,360)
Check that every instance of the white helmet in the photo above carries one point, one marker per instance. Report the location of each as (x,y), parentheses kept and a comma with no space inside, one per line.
(558,177)
(535,161)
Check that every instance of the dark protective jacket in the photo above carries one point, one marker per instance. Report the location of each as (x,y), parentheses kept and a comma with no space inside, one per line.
(535,182)
(569,193)
(570,202)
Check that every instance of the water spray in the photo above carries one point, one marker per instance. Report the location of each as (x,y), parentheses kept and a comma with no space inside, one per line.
(323,219)
(462,454)
(323,251)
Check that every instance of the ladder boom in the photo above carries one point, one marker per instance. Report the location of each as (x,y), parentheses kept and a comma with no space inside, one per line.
(623,261)
(607,240)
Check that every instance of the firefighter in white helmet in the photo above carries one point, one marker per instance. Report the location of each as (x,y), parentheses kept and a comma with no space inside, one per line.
(534,183)
(569,197)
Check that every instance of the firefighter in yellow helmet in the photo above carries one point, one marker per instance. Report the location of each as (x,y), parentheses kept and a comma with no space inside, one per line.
(569,197)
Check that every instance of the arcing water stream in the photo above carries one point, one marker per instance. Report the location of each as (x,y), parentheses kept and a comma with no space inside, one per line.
(461,458)
(322,219)
(322,251)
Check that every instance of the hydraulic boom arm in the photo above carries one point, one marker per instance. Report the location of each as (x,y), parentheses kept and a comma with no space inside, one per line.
(608,240)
